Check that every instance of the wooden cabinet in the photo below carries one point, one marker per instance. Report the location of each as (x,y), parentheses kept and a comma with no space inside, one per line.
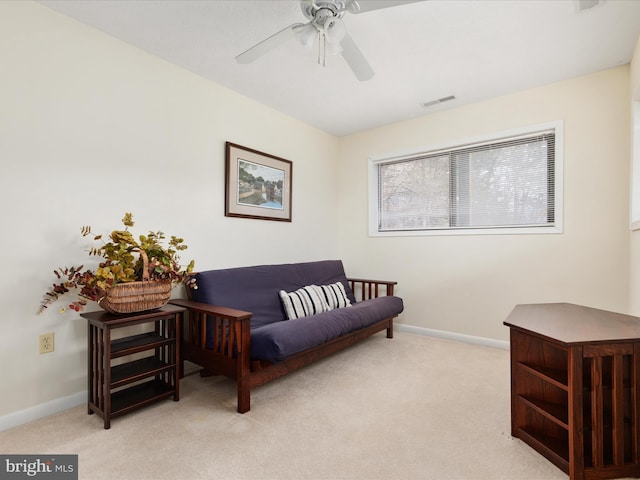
(575,373)
(133,370)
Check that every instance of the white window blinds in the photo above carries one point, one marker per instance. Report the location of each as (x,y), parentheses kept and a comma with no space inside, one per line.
(502,183)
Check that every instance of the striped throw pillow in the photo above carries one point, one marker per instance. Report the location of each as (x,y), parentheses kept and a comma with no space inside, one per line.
(335,295)
(304,302)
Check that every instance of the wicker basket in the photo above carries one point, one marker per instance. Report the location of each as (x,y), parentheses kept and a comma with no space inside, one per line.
(131,297)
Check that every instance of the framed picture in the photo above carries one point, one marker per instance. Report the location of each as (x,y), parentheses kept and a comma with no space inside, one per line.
(258,185)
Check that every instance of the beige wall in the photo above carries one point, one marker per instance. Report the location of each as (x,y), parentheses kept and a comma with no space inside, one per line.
(468,284)
(91,128)
(634,258)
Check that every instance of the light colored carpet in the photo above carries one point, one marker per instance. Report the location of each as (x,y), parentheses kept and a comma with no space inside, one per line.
(413,407)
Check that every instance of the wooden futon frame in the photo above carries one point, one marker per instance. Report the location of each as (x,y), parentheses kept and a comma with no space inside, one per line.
(232,340)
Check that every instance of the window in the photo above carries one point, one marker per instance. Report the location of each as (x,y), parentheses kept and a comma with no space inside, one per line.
(505,182)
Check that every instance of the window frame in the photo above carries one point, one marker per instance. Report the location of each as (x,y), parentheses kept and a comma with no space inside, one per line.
(558,183)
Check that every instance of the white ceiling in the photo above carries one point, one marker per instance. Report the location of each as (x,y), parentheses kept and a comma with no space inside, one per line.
(473,49)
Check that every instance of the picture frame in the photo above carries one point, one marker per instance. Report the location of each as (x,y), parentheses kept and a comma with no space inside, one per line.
(258,185)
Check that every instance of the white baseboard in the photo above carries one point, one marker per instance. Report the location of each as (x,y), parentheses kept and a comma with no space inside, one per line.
(458,337)
(43,410)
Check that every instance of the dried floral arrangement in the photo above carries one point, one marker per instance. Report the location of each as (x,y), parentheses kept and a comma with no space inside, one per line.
(122,263)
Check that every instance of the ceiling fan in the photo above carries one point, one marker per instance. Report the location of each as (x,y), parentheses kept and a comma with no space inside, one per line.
(325,25)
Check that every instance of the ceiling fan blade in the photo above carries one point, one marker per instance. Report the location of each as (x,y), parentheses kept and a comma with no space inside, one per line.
(355,59)
(362,6)
(268,44)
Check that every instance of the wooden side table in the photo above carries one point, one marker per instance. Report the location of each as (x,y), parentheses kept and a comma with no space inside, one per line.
(116,388)
(575,388)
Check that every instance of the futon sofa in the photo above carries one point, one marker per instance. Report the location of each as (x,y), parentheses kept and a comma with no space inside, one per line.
(255,324)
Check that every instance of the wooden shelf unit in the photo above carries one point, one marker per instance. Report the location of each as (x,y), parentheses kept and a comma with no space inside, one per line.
(575,377)
(118,388)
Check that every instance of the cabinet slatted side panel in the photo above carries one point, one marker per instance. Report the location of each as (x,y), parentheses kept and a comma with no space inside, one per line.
(610,415)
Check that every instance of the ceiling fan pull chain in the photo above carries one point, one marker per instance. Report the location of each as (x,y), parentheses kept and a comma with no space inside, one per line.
(324,50)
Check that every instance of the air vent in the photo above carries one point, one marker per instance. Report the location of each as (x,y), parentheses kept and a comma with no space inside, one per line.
(582,5)
(440,100)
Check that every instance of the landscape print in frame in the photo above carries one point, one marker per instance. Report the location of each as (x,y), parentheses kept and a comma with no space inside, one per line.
(258,185)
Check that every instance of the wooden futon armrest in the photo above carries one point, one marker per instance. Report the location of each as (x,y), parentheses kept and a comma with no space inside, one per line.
(229,329)
(213,310)
(364,289)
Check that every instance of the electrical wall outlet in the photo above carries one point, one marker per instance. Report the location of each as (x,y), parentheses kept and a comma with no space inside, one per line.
(46,343)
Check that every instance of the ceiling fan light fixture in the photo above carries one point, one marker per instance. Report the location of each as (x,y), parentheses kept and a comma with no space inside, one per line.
(307,34)
(335,30)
